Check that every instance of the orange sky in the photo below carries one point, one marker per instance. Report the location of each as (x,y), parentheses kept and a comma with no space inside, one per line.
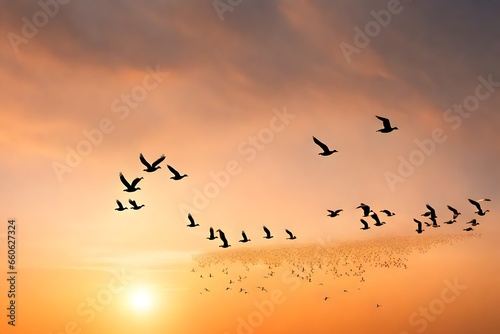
(234,104)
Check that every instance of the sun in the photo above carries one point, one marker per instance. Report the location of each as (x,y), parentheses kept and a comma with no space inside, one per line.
(141,300)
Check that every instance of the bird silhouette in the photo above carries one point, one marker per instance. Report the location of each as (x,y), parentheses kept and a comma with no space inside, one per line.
(191,221)
(468,229)
(473,222)
(222,237)
(431,212)
(326,151)
(291,236)
(419,226)
(334,213)
(455,212)
(387,125)
(151,167)
(366,209)
(134,205)
(388,213)
(244,236)
(268,233)
(479,211)
(449,222)
(365,224)
(177,175)
(130,187)
(120,206)
(212,235)
(377,220)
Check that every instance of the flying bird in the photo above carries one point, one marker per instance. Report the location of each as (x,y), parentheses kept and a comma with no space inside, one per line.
(387,125)
(388,213)
(120,206)
(431,212)
(449,222)
(468,229)
(131,187)
(212,235)
(177,175)
(134,205)
(151,167)
(365,224)
(473,222)
(191,221)
(366,209)
(291,236)
(326,151)
(334,213)
(222,237)
(478,206)
(268,233)
(455,212)
(244,236)
(419,226)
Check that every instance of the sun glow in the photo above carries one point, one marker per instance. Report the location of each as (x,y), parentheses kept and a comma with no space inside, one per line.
(141,300)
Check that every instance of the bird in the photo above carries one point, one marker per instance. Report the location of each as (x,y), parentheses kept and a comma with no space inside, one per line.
(388,213)
(120,206)
(292,237)
(455,212)
(449,222)
(244,236)
(326,298)
(377,220)
(366,209)
(365,224)
(473,222)
(326,151)
(387,125)
(151,167)
(268,233)
(334,213)
(478,206)
(131,187)
(191,221)
(177,175)
(134,205)
(212,234)
(223,239)
(468,229)
(431,212)
(419,226)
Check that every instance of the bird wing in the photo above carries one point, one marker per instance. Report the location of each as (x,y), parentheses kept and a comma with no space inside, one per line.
(331,211)
(244,235)
(119,204)
(211,232)
(289,233)
(136,180)
(452,209)
(172,169)
(144,161)
(158,161)
(223,238)
(267,231)
(124,181)
(476,204)
(431,209)
(338,211)
(484,199)
(375,217)
(191,219)
(385,121)
(320,144)
(132,202)
(365,224)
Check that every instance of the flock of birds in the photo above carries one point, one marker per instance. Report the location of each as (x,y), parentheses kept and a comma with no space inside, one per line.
(326,151)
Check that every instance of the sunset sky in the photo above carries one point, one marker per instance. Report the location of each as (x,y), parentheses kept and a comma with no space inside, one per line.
(232,92)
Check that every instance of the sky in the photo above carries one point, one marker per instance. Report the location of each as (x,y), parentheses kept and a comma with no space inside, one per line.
(232,92)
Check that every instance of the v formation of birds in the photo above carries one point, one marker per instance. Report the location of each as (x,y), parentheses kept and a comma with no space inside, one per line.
(430,214)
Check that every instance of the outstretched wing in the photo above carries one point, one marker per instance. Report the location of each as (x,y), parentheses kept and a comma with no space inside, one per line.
(431,209)
(320,144)
(120,205)
(365,224)
(375,217)
(452,209)
(385,122)
(243,234)
(172,169)
(132,202)
(289,233)
(144,161)
(211,232)
(124,181)
(476,204)
(223,238)
(191,219)
(158,161)
(267,231)
(136,180)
